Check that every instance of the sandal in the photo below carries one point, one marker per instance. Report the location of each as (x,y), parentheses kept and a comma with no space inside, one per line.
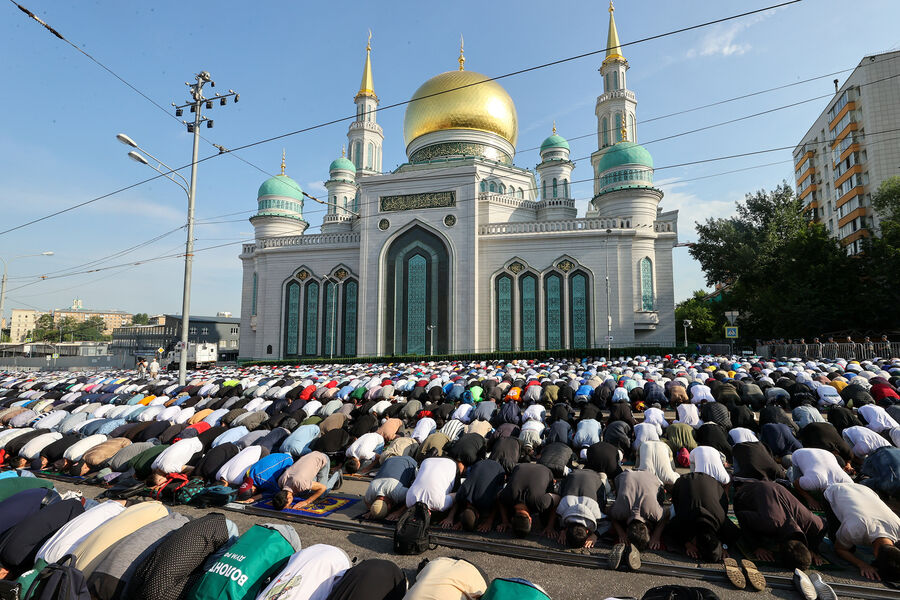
(733,573)
(756,579)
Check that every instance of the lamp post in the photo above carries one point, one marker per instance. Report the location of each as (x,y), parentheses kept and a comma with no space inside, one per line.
(686,323)
(608,311)
(196,104)
(431,329)
(5,271)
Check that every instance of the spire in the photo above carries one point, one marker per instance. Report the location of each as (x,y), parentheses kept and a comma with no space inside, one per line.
(613,49)
(282,162)
(554,127)
(343,151)
(462,58)
(624,132)
(367,87)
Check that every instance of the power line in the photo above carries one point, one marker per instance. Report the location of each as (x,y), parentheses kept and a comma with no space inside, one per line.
(389,106)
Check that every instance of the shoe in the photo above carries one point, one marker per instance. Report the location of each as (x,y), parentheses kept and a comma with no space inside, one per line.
(823,590)
(633,558)
(340,481)
(804,585)
(615,556)
(756,579)
(733,573)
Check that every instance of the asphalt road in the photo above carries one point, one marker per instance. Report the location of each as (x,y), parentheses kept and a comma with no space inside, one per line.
(561,582)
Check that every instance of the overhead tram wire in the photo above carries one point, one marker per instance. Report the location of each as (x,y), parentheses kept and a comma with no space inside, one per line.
(389,106)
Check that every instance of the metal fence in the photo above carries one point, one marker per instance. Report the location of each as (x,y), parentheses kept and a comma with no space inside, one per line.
(846,350)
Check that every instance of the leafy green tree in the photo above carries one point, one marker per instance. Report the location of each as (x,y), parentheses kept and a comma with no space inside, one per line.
(704,322)
(140,319)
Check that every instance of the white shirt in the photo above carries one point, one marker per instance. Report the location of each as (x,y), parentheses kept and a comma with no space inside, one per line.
(74,452)
(655,416)
(877,419)
(75,531)
(462,413)
(168,414)
(739,435)
(175,457)
(829,396)
(234,470)
(656,457)
(433,484)
(184,415)
(309,574)
(863,515)
(864,440)
(311,407)
(816,469)
(425,427)
(689,415)
(51,420)
(32,449)
(701,393)
(379,407)
(366,447)
(645,432)
(535,412)
(706,459)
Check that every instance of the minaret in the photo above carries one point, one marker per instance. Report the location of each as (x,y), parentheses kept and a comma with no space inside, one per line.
(617,106)
(365,137)
(341,186)
(555,171)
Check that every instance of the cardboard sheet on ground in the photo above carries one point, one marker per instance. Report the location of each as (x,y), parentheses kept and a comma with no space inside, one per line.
(320,508)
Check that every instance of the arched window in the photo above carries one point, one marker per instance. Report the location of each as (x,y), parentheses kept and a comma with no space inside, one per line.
(554,187)
(370,156)
(493,187)
(565,188)
(631,130)
(269,349)
(608,83)
(579,310)
(345,202)
(521,193)
(357,159)
(646,284)
(356,202)
(253,297)
(502,189)
(528,309)
(615,75)
(349,311)
(329,323)
(503,290)
(544,195)
(483,185)
(311,319)
(617,134)
(553,293)
(333,207)
(605,129)
(291,319)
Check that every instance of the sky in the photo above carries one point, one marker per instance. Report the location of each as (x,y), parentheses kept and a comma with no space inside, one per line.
(298,64)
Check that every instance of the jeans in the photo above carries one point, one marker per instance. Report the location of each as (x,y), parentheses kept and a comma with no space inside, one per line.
(323,478)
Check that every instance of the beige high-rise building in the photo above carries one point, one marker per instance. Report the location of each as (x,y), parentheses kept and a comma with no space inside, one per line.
(850,149)
(21,323)
(111,318)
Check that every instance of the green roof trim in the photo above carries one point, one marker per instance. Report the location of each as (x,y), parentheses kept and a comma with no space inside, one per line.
(280,185)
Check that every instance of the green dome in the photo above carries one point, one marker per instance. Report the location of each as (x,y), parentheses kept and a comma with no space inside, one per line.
(555,141)
(624,153)
(280,185)
(342,164)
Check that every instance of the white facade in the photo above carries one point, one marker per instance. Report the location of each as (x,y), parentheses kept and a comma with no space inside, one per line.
(460,250)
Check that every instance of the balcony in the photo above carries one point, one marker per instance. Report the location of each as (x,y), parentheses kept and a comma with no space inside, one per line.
(320,239)
(646,320)
(554,226)
(506,200)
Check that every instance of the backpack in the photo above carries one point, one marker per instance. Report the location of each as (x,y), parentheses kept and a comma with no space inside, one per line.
(127,488)
(411,534)
(679,592)
(186,493)
(59,581)
(167,490)
(10,590)
(518,589)
(216,495)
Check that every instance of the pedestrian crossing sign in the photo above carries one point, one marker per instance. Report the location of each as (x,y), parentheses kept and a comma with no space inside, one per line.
(731,332)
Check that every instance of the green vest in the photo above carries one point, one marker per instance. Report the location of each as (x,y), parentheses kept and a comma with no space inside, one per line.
(13,485)
(240,573)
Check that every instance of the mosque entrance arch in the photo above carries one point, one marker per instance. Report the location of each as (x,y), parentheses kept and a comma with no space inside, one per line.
(417,286)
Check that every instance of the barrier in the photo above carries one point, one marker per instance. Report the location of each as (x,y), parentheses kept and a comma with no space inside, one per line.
(845,350)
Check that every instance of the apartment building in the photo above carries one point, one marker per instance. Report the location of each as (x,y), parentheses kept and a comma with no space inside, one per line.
(22,322)
(111,318)
(850,149)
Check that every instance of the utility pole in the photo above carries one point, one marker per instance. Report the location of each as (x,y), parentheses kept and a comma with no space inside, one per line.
(196,105)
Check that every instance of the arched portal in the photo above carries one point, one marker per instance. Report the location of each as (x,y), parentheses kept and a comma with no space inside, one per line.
(418,285)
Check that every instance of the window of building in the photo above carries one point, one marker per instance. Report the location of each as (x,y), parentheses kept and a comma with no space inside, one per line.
(646,270)
(565,188)
(483,185)
(502,189)
(605,130)
(329,323)
(553,298)
(493,187)
(349,311)
(617,134)
(311,322)
(521,193)
(528,311)
(554,187)
(192,330)
(504,312)
(615,75)
(579,310)
(204,331)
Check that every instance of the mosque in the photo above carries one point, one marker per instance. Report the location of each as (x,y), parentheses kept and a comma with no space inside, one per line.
(459,249)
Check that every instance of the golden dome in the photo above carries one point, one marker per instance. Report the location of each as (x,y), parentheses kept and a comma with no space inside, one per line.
(483,107)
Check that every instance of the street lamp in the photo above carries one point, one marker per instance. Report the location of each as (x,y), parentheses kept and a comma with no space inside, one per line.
(686,323)
(431,329)
(5,270)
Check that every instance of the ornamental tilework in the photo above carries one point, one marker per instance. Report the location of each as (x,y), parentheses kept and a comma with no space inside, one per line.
(330,327)
(459,149)
(529,312)
(646,284)
(504,313)
(416,299)
(418,201)
(293,318)
(351,290)
(578,285)
(311,329)
(554,312)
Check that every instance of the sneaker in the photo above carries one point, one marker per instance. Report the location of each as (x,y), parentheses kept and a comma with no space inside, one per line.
(804,585)
(734,574)
(756,579)
(633,558)
(823,590)
(615,556)
(340,481)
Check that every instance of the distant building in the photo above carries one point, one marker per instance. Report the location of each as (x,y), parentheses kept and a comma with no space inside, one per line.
(21,323)
(850,150)
(146,340)
(111,318)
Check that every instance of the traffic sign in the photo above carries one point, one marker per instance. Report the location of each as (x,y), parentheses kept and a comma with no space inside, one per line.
(28,340)
(160,350)
(731,332)
(56,356)
(609,338)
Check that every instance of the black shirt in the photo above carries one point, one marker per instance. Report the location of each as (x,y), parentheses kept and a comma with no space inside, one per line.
(155,430)
(620,411)
(826,437)
(618,433)
(556,456)
(714,435)
(483,483)
(698,499)
(603,457)
(530,484)
(55,451)
(212,461)
(468,448)
(754,461)
(506,451)
(584,483)
(331,441)
(363,424)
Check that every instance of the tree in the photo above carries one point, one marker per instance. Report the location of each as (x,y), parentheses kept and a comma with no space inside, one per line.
(886,200)
(705,325)
(140,319)
(785,275)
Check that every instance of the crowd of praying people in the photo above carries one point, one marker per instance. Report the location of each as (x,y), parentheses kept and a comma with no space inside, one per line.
(713,457)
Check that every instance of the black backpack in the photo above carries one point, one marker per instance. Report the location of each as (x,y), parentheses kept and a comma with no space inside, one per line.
(411,534)
(679,592)
(59,581)
(216,495)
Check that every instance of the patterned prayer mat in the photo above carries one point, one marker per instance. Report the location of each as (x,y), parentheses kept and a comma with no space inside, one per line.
(320,508)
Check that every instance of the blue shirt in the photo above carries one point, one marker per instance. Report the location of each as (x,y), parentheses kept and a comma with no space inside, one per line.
(297,444)
(231,435)
(401,468)
(587,434)
(266,471)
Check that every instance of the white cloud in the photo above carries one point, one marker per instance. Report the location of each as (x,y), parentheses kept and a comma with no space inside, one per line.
(692,208)
(722,39)
(316,187)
